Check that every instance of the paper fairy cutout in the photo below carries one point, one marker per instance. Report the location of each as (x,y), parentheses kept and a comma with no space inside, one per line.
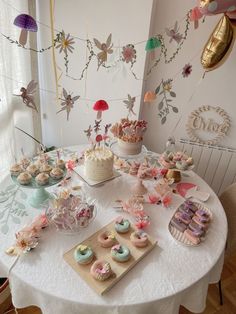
(174,34)
(106,48)
(27,95)
(88,132)
(68,102)
(130,104)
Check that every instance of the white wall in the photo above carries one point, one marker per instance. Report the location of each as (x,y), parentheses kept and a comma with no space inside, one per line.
(217,89)
(128,21)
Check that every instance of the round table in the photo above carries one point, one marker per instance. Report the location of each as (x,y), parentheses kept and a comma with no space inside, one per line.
(169,276)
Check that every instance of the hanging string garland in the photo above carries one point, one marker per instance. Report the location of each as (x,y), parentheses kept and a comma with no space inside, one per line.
(174,36)
(65,43)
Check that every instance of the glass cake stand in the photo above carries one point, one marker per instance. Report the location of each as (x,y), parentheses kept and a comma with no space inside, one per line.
(39,195)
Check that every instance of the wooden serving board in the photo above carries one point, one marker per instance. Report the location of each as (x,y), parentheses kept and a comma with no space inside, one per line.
(119,269)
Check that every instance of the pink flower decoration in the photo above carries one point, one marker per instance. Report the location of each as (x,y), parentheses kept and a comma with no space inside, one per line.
(116,247)
(153,199)
(142,224)
(163,172)
(70,164)
(105,137)
(167,200)
(154,172)
(129,53)
(187,69)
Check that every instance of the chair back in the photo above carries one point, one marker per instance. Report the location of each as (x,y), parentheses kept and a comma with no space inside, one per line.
(228,200)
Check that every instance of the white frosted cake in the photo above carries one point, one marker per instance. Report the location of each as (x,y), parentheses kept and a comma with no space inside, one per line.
(98,164)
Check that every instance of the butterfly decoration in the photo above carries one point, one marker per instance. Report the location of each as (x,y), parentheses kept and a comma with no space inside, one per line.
(174,34)
(88,132)
(67,103)
(27,95)
(97,126)
(130,104)
(106,48)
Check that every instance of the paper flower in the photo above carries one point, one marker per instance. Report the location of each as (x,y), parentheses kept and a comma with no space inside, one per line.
(116,247)
(70,164)
(167,200)
(129,54)
(153,199)
(187,69)
(141,224)
(25,242)
(167,85)
(132,206)
(174,34)
(65,43)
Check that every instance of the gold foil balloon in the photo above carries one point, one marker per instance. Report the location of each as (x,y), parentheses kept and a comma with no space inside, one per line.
(219,45)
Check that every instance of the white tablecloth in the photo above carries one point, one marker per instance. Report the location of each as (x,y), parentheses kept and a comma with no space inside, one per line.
(170,276)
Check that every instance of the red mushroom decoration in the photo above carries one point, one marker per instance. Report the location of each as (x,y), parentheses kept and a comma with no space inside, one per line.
(100,106)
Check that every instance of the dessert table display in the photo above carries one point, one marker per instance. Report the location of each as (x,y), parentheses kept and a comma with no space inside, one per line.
(170,275)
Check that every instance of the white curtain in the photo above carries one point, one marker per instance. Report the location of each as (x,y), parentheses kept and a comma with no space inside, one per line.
(15,72)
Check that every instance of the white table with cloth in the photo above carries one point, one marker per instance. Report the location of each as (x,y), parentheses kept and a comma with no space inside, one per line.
(169,276)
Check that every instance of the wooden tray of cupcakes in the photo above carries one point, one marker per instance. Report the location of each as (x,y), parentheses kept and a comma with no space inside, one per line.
(190,223)
(107,255)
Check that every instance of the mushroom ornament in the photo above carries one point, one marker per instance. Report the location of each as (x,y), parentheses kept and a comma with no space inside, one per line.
(27,24)
(100,106)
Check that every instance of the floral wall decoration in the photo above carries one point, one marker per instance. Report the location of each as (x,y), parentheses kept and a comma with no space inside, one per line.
(164,89)
(67,43)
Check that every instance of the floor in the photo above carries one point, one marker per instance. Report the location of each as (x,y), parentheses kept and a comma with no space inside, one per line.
(213,306)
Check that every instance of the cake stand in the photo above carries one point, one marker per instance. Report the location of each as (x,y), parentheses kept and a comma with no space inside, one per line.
(115,149)
(39,195)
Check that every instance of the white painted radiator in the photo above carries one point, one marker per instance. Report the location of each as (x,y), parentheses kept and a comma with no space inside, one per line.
(215,164)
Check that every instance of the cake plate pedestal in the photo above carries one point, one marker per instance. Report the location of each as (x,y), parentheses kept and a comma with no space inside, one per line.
(39,195)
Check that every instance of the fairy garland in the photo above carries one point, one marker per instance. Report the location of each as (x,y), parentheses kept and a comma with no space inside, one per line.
(64,43)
